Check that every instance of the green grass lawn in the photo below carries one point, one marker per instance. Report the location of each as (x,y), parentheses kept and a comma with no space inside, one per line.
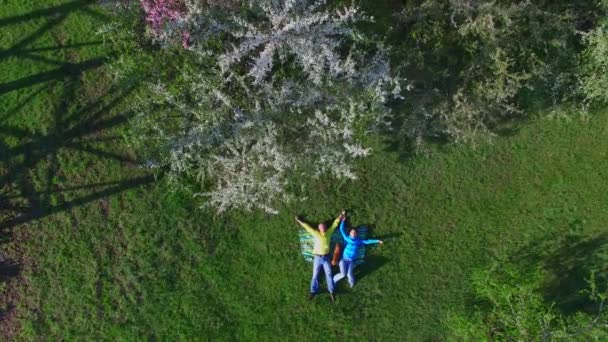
(105,251)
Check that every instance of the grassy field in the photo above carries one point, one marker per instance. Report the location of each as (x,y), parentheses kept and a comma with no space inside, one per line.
(95,247)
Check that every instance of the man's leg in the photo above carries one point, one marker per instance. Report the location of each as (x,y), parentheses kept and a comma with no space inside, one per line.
(316,268)
(342,273)
(328,277)
(350,272)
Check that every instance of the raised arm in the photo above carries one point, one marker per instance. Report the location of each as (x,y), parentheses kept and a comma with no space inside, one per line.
(336,221)
(343,231)
(306,226)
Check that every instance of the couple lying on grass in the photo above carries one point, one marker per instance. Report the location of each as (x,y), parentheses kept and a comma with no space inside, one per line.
(322,238)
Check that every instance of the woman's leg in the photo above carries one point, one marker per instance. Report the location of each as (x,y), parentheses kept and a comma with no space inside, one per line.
(350,270)
(342,273)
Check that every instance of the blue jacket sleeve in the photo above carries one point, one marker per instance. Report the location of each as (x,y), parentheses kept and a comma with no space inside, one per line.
(347,238)
(370,241)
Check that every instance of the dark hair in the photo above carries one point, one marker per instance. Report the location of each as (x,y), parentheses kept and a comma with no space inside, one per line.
(350,230)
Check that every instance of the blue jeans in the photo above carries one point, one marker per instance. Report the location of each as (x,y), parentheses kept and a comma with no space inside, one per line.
(347,268)
(318,263)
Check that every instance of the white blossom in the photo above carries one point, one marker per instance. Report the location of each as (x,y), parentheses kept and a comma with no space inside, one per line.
(248,170)
(297,27)
(232,131)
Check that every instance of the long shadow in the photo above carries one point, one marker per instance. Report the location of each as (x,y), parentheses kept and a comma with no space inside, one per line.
(78,130)
(32,37)
(56,15)
(12,51)
(68,68)
(50,11)
(75,132)
(15,109)
(8,269)
(5,203)
(72,131)
(570,260)
(30,160)
(50,210)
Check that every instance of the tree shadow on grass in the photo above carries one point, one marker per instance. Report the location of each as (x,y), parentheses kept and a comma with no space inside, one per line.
(55,16)
(82,119)
(29,168)
(58,73)
(79,118)
(8,269)
(78,131)
(570,259)
(82,5)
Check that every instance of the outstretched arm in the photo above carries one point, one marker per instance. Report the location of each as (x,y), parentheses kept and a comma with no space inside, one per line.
(372,241)
(306,226)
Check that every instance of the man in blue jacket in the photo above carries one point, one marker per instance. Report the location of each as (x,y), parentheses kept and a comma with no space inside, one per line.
(352,242)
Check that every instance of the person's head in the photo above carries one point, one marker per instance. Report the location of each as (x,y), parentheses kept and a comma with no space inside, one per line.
(353,233)
(322,228)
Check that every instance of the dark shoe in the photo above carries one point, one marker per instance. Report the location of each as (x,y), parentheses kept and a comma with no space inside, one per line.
(332,297)
(311,296)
